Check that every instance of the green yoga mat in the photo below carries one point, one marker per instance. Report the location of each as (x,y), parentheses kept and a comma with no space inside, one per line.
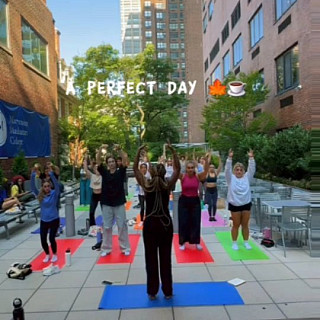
(83,208)
(242,254)
(130,196)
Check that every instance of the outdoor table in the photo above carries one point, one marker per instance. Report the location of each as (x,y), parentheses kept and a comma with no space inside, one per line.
(276,207)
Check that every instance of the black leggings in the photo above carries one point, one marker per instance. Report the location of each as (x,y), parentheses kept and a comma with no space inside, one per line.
(141,202)
(95,199)
(44,228)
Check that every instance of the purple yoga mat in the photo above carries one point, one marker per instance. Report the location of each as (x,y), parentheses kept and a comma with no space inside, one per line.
(207,223)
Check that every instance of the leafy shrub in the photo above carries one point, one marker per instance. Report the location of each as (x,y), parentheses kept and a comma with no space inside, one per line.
(20,165)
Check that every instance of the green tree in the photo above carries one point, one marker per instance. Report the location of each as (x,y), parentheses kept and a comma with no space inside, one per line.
(20,165)
(227,119)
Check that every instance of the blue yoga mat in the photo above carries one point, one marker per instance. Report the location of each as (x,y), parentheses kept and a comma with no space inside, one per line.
(185,295)
(62,222)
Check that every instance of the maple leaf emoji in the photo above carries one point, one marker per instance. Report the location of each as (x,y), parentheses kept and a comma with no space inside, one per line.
(217,89)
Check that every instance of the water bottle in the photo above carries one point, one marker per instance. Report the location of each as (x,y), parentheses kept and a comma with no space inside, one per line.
(225,220)
(68,257)
(87,224)
(61,229)
(18,312)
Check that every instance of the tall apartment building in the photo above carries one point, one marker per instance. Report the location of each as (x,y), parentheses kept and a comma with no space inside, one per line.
(174,28)
(273,37)
(130,11)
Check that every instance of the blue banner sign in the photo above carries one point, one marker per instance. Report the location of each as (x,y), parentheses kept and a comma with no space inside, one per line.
(23,130)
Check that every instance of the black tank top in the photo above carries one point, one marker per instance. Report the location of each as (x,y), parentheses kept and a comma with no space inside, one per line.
(211,179)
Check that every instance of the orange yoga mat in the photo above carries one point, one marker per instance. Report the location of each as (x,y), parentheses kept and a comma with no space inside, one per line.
(191,254)
(62,245)
(138,220)
(128,205)
(116,256)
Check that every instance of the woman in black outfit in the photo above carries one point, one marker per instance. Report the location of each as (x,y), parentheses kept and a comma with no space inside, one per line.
(157,225)
(211,191)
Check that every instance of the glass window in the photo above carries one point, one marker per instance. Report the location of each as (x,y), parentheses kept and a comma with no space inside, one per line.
(173,6)
(184,114)
(256,27)
(173,15)
(148,34)
(174,55)
(183,65)
(185,134)
(162,55)
(160,15)
(216,73)
(174,45)
(3,23)
(181,25)
(225,32)
(173,26)
(282,6)
(226,64)
(185,124)
(160,6)
(160,25)
(205,23)
(161,45)
(182,45)
(237,51)
(210,9)
(236,14)
(147,14)
(161,35)
(206,87)
(148,23)
(148,42)
(34,49)
(288,69)
(147,3)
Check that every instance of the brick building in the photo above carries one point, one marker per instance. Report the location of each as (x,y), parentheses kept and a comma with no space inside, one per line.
(29,55)
(272,37)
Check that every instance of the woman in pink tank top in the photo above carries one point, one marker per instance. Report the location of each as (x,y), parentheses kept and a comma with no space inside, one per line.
(189,208)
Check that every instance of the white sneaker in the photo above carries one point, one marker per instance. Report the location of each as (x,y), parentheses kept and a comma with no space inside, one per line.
(247,245)
(49,271)
(46,259)
(127,253)
(54,258)
(199,246)
(105,253)
(183,247)
(140,224)
(235,246)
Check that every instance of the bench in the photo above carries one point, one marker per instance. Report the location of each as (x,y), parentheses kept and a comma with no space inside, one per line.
(31,208)
(5,219)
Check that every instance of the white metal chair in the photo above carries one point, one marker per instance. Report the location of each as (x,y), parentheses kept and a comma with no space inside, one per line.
(291,221)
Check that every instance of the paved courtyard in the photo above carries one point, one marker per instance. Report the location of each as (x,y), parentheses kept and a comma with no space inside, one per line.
(278,288)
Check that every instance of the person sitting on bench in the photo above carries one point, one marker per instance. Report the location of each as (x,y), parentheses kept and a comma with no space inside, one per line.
(7,203)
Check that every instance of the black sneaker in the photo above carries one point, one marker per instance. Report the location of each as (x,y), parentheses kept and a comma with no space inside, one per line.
(152,297)
(168,297)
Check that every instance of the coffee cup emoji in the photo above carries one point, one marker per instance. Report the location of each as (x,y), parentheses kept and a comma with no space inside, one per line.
(236,86)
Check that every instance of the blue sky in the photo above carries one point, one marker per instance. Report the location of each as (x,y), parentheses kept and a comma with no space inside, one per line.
(84,24)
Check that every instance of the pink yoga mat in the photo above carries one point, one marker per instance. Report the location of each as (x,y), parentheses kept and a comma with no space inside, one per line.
(206,223)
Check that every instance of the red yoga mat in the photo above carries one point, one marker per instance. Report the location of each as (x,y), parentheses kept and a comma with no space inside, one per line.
(63,245)
(191,254)
(116,255)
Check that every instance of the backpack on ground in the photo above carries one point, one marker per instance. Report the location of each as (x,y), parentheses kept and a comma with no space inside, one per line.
(267,242)
(19,271)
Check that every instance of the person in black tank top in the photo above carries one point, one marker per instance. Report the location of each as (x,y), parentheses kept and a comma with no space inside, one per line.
(211,191)
(157,224)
